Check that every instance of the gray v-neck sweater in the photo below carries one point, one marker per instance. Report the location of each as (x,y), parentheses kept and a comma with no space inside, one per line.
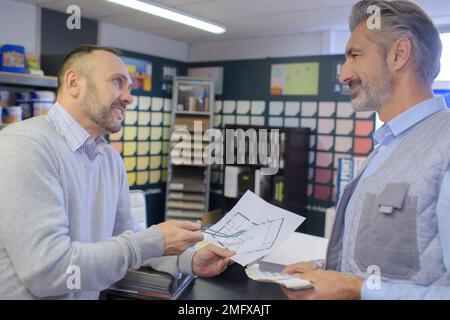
(62,215)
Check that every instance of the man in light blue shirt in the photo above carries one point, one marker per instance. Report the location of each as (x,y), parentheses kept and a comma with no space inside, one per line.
(390,238)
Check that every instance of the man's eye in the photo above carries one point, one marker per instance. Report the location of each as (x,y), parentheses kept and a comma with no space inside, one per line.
(118,82)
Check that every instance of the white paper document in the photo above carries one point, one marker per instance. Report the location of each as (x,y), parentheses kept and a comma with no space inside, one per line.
(252,228)
(298,247)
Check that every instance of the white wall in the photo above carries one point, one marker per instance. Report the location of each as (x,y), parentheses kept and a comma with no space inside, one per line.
(138,41)
(305,44)
(19,25)
(339,42)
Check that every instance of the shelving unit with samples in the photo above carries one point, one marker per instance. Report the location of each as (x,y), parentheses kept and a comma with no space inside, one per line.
(188,182)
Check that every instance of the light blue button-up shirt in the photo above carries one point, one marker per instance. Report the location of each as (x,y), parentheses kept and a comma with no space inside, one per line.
(387,138)
(76,136)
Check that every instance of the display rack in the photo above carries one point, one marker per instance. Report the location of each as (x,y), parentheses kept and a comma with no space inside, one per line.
(188,182)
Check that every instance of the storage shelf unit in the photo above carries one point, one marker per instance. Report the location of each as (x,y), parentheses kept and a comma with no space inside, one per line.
(187,194)
(15,82)
(27,80)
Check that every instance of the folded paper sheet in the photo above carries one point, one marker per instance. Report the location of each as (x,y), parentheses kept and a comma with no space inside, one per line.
(253,228)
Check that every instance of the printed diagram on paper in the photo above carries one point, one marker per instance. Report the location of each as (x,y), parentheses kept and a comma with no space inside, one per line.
(252,228)
(241,235)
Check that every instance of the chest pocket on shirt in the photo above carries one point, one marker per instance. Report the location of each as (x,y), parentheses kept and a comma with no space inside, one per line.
(387,235)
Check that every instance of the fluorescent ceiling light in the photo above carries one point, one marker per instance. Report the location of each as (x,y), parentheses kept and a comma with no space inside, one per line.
(170,14)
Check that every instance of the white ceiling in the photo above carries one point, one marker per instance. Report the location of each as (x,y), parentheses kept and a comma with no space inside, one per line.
(243,19)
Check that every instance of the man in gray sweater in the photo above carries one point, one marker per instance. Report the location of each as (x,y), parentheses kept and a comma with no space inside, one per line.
(64,196)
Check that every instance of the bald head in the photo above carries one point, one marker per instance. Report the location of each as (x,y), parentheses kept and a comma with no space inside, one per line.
(78,60)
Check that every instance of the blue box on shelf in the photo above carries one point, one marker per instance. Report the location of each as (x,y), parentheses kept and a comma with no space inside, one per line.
(12,58)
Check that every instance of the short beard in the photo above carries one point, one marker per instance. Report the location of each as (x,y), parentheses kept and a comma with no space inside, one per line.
(98,113)
(373,95)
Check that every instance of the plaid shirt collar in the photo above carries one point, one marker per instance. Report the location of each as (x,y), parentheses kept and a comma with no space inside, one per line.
(76,136)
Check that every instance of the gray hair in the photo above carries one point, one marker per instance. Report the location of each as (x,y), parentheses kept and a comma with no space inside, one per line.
(404,19)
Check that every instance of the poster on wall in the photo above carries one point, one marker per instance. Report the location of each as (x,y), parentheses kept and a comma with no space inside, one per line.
(215,73)
(140,73)
(294,79)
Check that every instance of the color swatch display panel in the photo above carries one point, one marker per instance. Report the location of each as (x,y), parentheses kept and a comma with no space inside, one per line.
(336,132)
(143,140)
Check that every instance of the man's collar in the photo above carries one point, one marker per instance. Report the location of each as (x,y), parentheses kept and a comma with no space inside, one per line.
(407,119)
(75,135)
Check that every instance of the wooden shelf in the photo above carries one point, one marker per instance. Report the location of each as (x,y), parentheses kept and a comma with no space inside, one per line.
(27,80)
(175,204)
(175,186)
(185,214)
(186,197)
(197,165)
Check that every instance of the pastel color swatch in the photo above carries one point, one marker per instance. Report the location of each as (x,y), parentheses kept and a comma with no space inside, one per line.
(142,178)
(243,107)
(130,133)
(144,118)
(292,108)
(131,117)
(309,109)
(344,127)
(363,145)
(144,103)
(229,106)
(309,123)
(327,109)
(326,126)
(276,108)
(325,142)
(324,159)
(258,107)
(157,104)
(364,127)
(343,144)
(344,110)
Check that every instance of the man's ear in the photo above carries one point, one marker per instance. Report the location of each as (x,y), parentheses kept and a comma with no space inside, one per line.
(72,83)
(400,53)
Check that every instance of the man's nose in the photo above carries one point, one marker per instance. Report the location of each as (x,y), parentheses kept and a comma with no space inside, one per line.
(346,74)
(126,97)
